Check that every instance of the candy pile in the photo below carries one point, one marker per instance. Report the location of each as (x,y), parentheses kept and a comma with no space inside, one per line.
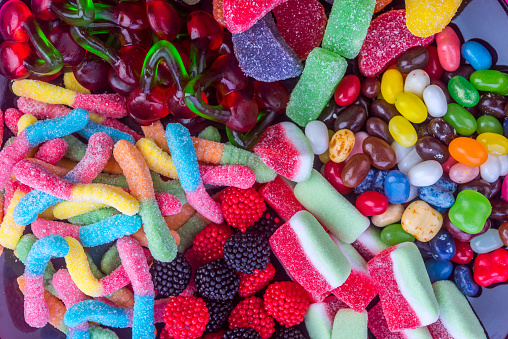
(404,214)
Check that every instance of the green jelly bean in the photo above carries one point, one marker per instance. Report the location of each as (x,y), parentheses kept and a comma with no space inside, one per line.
(470,211)
(394,234)
(460,119)
(488,124)
(490,81)
(463,92)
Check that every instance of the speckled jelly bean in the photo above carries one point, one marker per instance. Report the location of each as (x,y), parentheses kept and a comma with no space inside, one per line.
(468,151)
(367,183)
(435,100)
(488,124)
(403,131)
(394,234)
(463,253)
(416,82)
(411,107)
(347,90)
(470,211)
(495,144)
(371,203)
(392,84)
(448,49)
(463,121)
(438,270)
(341,145)
(442,246)
(477,55)
(463,92)
(421,220)
(490,81)
(425,173)
(463,277)
(392,215)
(317,134)
(379,152)
(396,187)
(436,195)
(487,242)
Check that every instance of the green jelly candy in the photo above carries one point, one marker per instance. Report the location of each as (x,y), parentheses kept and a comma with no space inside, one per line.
(349,324)
(323,71)
(460,119)
(470,211)
(347,26)
(394,234)
(210,133)
(111,179)
(488,124)
(463,92)
(236,156)
(76,149)
(490,81)
(110,260)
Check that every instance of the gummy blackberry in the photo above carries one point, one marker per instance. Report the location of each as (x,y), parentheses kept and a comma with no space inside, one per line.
(171,278)
(288,333)
(219,312)
(267,225)
(246,252)
(216,281)
(241,333)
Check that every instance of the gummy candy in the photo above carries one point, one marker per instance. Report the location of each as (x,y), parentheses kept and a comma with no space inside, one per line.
(428,17)
(241,15)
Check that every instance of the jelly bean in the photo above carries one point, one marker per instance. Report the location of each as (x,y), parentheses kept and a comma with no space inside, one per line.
(499,209)
(463,253)
(421,220)
(496,187)
(402,131)
(470,211)
(442,246)
(358,147)
(438,270)
(503,161)
(425,173)
(416,82)
(490,268)
(448,49)
(380,153)
(396,187)
(461,173)
(332,173)
(373,182)
(355,170)
(490,81)
(414,58)
(494,143)
(392,85)
(411,107)
(429,148)
(468,151)
(392,215)
(436,195)
(347,90)
(464,280)
(491,169)
(378,128)
(487,242)
(317,134)
(394,235)
(371,87)
(464,70)
(401,151)
(488,124)
(448,164)
(478,185)
(409,161)
(341,145)
(435,99)
(383,110)
(422,130)
(440,129)
(493,104)
(463,121)
(463,92)
(433,68)
(371,203)
(477,55)
(503,233)
(352,118)
(459,234)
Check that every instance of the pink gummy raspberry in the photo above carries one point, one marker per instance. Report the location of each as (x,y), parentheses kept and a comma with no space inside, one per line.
(240,15)
(387,38)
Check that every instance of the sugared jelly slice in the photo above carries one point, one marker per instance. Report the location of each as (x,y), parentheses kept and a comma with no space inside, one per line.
(240,15)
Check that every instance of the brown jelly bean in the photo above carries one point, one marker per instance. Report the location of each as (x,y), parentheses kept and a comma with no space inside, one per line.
(459,234)
(364,102)
(499,209)
(422,131)
(378,128)
(352,118)
(330,113)
(414,58)
(355,170)
(493,104)
(370,88)
(383,110)
(440,129)
(478,185)
(473,110)
(463,70)
(429,148)
(496,187)
(380,153)
(503,233)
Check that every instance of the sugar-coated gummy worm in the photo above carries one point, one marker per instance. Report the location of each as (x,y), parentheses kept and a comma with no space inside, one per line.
(109,105)
(1,127)
(24,121)
(93,216)
(160,241)
(36,134)
(184,157)
(10,231)
(228,175)
(93,127)
(52,151)
(11,118)
(70,82)
(156,159)
(41,110)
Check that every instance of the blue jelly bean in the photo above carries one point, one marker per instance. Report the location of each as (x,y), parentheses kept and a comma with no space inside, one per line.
(505,127)
(396,187)
(424,249)
(477,55)
(465,282)
(438,270)
(447,183)
(108,230)
(436,195)
(92,127)
(442,246)
(366,184)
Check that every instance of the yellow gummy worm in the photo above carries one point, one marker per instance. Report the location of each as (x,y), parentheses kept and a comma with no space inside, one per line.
(156,159)
(106,194)
(70,82)
(78,268)
(69,209)
(25,121)
(10,232)
(43,91)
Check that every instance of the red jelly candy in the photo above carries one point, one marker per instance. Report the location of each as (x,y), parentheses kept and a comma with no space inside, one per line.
(463,253)
(332,174)
(302,24)
(433,68)
(240,15)
(371,203)
(387,38)
(347,90)
(448,164)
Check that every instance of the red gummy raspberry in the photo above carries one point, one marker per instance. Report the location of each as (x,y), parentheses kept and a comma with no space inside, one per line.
(209,243)
(287,302)
(216,335)
(252,283)
(250,313)
(242,207)
(186,317)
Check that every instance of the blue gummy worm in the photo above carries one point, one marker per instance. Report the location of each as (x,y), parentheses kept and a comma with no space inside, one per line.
(33,204)
(94,310)
(78,334)
(92,127)
(109,229)
(143,318)
(42,251)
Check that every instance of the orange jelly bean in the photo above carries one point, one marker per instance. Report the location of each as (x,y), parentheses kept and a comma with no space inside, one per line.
(468,151)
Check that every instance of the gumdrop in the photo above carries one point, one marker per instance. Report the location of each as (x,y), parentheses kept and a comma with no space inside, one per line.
(240,15)
(427,17)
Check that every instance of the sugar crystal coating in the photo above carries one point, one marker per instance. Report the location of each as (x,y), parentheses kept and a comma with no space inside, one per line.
(241,15)
(349,324)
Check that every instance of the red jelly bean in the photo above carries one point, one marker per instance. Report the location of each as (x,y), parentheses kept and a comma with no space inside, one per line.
(347,90)
(371,203)
(433,68)
(332,173)
(448,164)
(463,253)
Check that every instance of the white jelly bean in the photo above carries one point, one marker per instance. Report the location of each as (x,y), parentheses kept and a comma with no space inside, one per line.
(503,161)
(425,173)
(401,151)
(490,169)
(416,82)
(410,160)
(461,173)
(317,133)
(486,242)
(435,99)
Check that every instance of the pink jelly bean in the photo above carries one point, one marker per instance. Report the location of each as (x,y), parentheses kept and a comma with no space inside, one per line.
(41,110)
(461,173)
(43,227)
(52,151)
(447,165)
(278,193)
(228,175)
(504,189)
(358,147)
(448,49)
(168,203)
(12,117)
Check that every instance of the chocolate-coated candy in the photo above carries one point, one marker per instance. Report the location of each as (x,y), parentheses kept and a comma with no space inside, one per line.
(370,88)
(464,280)
(352,118)
(376,127)
(493,104)
(414,58)
(442,246)
(499,209)
(429,148)
(440,129)
(355,170)
(380,153)
(478,185)
(383,110)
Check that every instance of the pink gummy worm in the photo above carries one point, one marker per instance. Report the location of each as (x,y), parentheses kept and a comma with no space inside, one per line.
(43,227)
(52,151)
(110,122)
(36,310)
(11,155)
(168,203)
(1,127)
(10,188)
(228,175)
(134,261)
(205,205)
(12,117)
(108,105)
(66,289)
(41,110)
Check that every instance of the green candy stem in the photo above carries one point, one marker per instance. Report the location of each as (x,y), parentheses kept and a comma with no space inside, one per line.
(51,61)
(93,45)
(81,14)
(249,139)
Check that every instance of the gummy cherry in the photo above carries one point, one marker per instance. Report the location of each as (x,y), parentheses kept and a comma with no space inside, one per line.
(131,15)
(118,85)
(71,52)
(12,55)
(152,105)
(163,19)
(92,72)
(76,13)
(125,36)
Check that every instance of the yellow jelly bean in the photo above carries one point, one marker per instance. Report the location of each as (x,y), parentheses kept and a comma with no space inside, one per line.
(392,84)
(427,17)
(25,121)
(411,107)
(341,145)
(495,144)
(421,221)
(402,131)
(73,84)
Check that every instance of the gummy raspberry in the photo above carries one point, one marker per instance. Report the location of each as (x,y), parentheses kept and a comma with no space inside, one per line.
(216,335)
(288,333)
(171,278)
(242,207)
(219,312)
(287,302)
(251,313)
(208,244)
(185,317)
(252,283)
(267,225)
(216,281)
(242,333)
(246,252)
(164,334)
